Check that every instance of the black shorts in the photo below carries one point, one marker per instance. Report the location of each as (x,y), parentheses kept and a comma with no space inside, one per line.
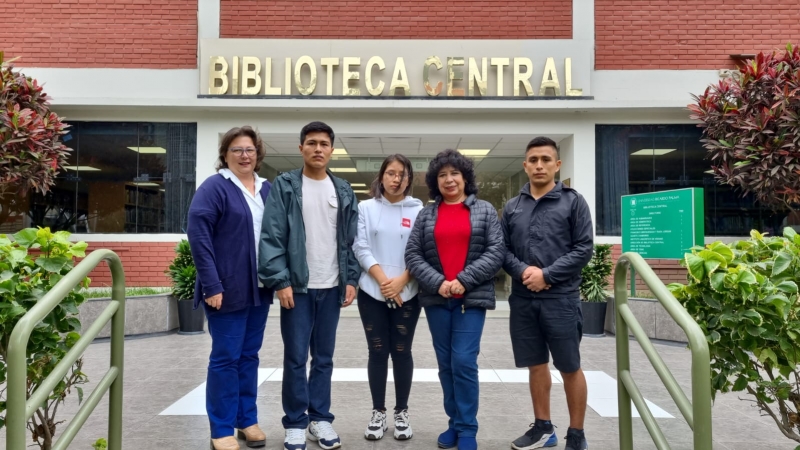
(543,326)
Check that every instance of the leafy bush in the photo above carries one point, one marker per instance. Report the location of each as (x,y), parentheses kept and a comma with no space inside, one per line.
(183,272)
(744,297)
(31,152)
(29,267)
(594,276)
(752,128)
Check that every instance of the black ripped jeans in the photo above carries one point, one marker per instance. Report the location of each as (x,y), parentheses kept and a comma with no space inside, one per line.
(389,332)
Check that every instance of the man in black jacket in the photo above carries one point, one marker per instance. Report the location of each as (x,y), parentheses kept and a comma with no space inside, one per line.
(548,235)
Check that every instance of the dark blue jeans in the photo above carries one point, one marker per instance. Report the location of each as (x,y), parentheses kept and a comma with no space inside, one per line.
(232,380)
(310,325)
(457,342)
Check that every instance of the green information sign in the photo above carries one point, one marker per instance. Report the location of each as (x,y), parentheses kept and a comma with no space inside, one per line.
(663,225)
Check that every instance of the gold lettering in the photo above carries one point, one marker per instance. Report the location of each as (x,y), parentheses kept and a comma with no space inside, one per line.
(329,64)
(215,75)
(235,76)
(521,77)
(454,74)
(577,92)
(399,78)
(475,79)
(348,75)
(251,75)
(374,61)
(298,71)
(426,73)
(500,63)
(550,79)
(268,88)
(287,76)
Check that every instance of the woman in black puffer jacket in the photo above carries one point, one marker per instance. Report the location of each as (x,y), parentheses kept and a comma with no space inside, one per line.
(455,250)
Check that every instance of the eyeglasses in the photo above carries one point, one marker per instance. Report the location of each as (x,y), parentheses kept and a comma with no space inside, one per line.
(238,151)
(392,174)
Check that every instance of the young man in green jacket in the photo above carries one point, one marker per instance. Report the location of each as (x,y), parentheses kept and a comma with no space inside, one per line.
(306,255)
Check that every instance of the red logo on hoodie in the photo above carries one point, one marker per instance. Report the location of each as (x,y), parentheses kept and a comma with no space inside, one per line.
(406,222)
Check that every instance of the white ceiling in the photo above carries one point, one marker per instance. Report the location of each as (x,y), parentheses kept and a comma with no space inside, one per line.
(504,158)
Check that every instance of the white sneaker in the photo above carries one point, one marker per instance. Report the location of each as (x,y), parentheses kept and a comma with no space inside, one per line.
(377,425)
(402,427)
(323,433)
(295,439)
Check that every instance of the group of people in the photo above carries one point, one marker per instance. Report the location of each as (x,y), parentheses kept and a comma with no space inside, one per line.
(306,240)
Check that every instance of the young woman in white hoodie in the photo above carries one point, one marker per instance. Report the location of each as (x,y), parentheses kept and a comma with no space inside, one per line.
(387,298)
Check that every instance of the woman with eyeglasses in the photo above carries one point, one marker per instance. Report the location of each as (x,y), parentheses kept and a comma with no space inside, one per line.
(224,226)
(455,250)
(387,298)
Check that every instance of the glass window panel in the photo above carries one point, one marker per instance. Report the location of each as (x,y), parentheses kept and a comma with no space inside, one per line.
(124,177)
(633,159)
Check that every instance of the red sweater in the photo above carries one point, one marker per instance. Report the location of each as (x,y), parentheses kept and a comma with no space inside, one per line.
(452,232)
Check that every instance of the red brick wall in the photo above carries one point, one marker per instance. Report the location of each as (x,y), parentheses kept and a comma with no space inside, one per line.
(160,34)
(669,270)
(144,263)
(683,34)
(429,19)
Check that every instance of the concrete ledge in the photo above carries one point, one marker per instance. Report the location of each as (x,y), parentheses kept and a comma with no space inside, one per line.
(144,314)
(653,318)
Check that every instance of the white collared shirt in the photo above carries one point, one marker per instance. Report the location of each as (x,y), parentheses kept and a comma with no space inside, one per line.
(255,203)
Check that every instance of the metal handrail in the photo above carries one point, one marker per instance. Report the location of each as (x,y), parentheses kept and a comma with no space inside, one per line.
(20,409)
(697,412)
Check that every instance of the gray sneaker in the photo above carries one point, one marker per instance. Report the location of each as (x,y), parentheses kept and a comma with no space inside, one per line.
(402,428)
(536,437)
(377,426)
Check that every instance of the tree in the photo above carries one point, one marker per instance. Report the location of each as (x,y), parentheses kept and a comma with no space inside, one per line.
(751,127)
(31,152)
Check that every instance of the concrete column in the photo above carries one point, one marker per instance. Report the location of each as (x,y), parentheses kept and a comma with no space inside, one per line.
(208,19)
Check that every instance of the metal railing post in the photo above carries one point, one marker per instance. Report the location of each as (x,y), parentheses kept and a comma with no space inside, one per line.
(19,407)
(697,412)
(623,358)
(117,358)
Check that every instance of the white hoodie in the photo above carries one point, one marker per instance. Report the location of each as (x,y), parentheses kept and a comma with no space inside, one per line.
(383,231)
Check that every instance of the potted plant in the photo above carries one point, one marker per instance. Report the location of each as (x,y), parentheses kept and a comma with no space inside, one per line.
(183,274)
(593,288)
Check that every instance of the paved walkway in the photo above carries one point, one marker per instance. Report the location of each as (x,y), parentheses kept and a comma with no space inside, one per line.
(164,403)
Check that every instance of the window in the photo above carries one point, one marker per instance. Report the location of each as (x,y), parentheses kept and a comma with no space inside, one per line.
(634,159)
(121,177)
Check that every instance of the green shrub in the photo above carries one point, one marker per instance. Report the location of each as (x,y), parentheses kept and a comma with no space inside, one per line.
(744,297)
(183,272)
(25,277)
(594,276)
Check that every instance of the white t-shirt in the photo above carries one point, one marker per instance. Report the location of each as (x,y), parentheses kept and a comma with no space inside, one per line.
(320,213)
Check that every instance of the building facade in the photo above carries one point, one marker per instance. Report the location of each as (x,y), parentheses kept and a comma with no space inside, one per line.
(150,86)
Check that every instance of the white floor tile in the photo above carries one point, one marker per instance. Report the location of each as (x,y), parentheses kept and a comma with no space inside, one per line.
(601,397)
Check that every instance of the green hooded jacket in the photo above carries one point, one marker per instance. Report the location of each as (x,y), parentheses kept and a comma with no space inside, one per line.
(282,246)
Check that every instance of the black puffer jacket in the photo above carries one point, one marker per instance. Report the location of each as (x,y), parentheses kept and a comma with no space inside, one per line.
(484,258)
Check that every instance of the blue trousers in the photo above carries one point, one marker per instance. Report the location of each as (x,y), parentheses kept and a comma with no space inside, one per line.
(310,325)
(457,340)
(232,380)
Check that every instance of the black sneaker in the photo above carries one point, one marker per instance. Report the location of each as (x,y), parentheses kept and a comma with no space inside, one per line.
(576,440)
(536,437)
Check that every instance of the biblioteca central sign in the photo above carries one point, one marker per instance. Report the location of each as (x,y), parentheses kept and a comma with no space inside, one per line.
(250,75)
(238,67)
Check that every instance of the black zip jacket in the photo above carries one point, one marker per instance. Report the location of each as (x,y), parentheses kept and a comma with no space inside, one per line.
(484,256)
(553,233)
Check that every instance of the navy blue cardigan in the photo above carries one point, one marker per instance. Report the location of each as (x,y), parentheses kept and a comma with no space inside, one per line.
(220,232)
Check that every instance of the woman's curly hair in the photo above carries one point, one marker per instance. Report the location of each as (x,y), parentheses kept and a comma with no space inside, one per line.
(460,162)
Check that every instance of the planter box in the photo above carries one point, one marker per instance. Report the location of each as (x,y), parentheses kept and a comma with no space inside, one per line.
(144,314)
(653,318)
